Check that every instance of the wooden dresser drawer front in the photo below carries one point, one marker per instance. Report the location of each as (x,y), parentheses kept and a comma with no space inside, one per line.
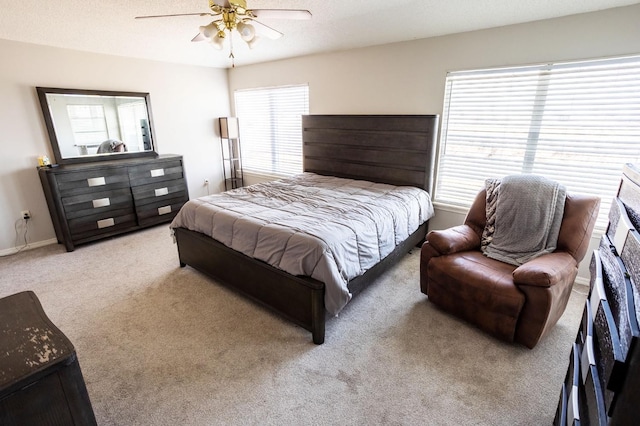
(157,172)
(594,398)
(619,294)
(85,204)
(594,393)
(88,225)
(144,194)
(631,257)
(92,180)
(611,367)
(156,213)
(630,197)
(575,390)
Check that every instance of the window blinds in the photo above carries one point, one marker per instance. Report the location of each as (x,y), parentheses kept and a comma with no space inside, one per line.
(577,123)
(271,128)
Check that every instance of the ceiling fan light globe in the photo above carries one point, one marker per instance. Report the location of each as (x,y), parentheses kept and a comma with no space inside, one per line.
(209,31)
(218,42)
(247,31)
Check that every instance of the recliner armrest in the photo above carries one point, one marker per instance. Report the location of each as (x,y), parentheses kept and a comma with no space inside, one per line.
(454,240)
(546,270)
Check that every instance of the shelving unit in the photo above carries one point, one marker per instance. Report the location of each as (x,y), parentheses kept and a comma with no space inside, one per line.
(231,154)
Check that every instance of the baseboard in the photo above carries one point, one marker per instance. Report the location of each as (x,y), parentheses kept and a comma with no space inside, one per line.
(30,246)
(583,281)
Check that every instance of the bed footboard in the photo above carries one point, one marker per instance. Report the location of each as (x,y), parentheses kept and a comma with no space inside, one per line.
(299,299)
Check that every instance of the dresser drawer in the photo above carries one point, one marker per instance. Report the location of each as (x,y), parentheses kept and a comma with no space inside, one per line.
(97,202)
(618,290)
(631,257)
(157,212)
(575,395)
(101,223)
(593,386)
(85,181)
(164,190)
(144,174)
(629,195)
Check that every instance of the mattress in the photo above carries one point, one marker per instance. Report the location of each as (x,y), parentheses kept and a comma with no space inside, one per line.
(328,228)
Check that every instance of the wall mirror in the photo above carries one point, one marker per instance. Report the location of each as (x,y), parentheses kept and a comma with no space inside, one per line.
(97,125)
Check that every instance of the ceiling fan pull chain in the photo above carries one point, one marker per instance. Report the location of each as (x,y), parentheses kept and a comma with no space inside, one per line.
(233,62)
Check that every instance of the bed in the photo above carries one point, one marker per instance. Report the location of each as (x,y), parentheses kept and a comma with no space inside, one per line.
(386,150)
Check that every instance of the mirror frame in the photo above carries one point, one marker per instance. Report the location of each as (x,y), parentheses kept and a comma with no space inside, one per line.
(53,138)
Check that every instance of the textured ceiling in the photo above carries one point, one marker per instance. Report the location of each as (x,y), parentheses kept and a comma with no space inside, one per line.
(109,26)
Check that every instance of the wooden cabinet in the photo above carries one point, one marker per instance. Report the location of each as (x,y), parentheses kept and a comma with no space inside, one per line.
(92,201)
(41,382)
(603,378)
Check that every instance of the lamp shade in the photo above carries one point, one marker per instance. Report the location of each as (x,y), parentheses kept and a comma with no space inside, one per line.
(229,128)
(247,32)
(218,41)
(209,31)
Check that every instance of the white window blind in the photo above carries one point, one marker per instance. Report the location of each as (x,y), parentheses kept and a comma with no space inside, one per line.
(577,123)
(88,124)
(271,128)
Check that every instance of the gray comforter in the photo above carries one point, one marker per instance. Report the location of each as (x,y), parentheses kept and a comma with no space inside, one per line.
(328,228)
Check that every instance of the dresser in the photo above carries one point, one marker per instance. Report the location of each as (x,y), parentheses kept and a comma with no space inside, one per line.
(88,202)
(41,382)
(602,384)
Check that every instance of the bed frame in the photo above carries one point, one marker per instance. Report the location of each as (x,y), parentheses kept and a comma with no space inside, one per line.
(393,149)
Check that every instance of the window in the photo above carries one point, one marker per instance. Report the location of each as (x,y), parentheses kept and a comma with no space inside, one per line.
(132,117)
(577,123)
(88,124)
(271,128)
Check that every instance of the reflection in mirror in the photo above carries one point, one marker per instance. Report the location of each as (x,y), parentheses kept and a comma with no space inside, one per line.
(88,125)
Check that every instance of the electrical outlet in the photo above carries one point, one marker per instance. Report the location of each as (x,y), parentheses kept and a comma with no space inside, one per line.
(26,214)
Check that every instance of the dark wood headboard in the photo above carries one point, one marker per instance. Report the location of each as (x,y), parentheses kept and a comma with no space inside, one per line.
(393,149)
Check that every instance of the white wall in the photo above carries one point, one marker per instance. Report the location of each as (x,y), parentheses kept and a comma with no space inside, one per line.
(408,78)
(185,101)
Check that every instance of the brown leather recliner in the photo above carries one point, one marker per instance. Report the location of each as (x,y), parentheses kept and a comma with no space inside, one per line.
(513,303)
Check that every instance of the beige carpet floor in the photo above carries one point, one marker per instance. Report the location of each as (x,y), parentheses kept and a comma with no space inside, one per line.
(164,345)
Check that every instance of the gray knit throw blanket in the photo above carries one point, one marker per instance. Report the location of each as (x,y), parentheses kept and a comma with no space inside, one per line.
(524,214)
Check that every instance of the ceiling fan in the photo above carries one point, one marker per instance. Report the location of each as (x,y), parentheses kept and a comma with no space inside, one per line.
(234,15)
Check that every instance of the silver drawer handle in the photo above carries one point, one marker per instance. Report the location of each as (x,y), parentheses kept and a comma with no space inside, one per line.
(101,202)
(587,358)
(105,223)
(164,210)
(157,172)
(96,181)
(573,406)
(161,191)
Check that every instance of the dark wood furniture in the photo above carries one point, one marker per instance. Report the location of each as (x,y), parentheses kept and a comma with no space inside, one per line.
(394,149)
(41,381)
(603,378)
(88,202)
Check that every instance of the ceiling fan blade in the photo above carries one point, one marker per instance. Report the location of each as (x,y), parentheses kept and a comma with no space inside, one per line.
(265,30)
(298,14)
(177,14)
